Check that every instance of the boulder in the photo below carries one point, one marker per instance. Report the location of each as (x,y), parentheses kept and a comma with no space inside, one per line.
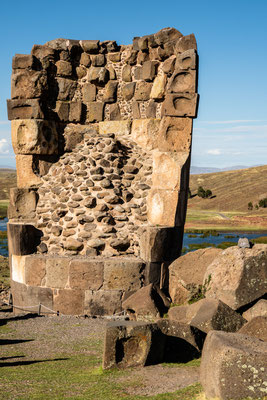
(258,310)
(256,327)
(186,274)
(233,366)
(238,276)
(131,344)
(208,314)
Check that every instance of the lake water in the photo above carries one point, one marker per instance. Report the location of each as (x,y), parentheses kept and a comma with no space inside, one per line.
(222,237)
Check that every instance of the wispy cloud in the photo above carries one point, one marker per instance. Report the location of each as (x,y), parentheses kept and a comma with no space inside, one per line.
(214,152)
(236,121)
(4,146)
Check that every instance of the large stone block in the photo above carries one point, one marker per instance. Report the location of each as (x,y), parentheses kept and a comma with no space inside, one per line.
(75,111)
(148,71)
(27,175)
(110,94)
(116,127)
(95,112)
(186,43)
(175,134)
(34,136)
(180,105)
(28,84)
(21,61)
(68,301)
(166,35)
(86,274)
(145,132)
(22,203)
(90,46)
(57,272)
(170,170)
(186,60)
(102,302)
(18,268)
(29,296)
(24,109)
(258,310)
(158,88)
(89,92)
(131,344)
(64,68)
(166,207)
(182,80)
(160,244)
(233,366)
(142,91)
(123,274)
(65,88)
(128,91)
(35,270)
(23,239)
(238,276)
(256,327)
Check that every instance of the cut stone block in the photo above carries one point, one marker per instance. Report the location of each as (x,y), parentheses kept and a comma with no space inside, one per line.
(64,68)
(35,269)
(158,88)
(238,276)
(186,60)
(24,61)
(142,91)
(110,95)
(186,274)
(166,35)
(18,268)
(160,244)
(57,272)
(152,273)
(90,46)
(186,43)
(116,127)
(66,88)
(62,110)
(95,111)
(180,105)
(170,170)
(256,327)
(258,310)
(89,92)
(123,274)
(151,111)
(166,207)
(34,136)
(114,112)
(128,91)
(22,204)
(168,65)
(28,84)
(182,80)
(208,314)
(145,132)
(28,296)
(26,176)
(148,71)
(24,109)
(233,366)
(132,344)
(175,134)
(75,114)
(86,274)
(126,73)
(68,301)
(23,239)
(102,302)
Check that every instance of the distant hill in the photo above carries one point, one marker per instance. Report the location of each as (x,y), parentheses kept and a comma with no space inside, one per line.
(207,170)
(8,179)
(233,189)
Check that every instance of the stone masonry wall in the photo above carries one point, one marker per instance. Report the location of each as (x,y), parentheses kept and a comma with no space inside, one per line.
(102,137)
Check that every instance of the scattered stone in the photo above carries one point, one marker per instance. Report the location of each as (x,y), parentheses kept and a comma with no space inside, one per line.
(258,310)
(256,327)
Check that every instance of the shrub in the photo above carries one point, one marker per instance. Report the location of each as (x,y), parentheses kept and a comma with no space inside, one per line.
(205,194)
(250,206)
(263,203)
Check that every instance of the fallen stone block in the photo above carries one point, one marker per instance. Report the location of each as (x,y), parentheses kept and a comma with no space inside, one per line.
(102,302)
(208,314)
(258,310)
(233,366)
(186,274)
(238,276)
(256,327)
(132,344)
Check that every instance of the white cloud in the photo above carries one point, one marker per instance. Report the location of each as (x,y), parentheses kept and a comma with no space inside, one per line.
(214,152)
(236,121)
(4,146)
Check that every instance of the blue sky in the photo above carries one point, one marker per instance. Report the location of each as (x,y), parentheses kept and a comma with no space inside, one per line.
(231,128)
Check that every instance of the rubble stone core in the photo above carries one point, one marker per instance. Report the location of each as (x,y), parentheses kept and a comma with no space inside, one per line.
(102,136)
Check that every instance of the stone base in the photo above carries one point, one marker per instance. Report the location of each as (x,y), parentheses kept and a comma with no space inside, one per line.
(77,285)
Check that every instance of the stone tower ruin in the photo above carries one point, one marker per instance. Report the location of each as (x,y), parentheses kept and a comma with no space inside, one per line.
(102,137)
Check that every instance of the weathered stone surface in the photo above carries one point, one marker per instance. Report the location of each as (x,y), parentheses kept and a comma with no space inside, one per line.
(258,310)
(182,80)
(131,57)
(66,88)
(24,61)
(152,273)
(95,111)
(22,203)
(35,269)
(233,366)
(128,90)
(64,68)
(115,127)
(98,75)
(28,84)
(166,207)
(145,132)
(57,272)
(29,296)
(34,137)
(90,46)
(68,301)
(62,109)
(180,105)
(136,110)
(170,170)
(85,60)
(166,35)
(75,111)
(123,274)
(158,88)
(131,344)
(24,109)
(114,112)
(98,60)
(208,314)
(89,92)
(44,53)
(238,276)
(256,327)
(146,302)
(102,302)
(142,91)
(186,60)
(126,73)
(186,43)
(86,274)
(74,134)
(22,238)
(149,69)
(160,244)
(168,65)
(26,174)
(114,57)
(186,274)
(110,95)
(175,134)
(244,243)
(151,110)
(73,245)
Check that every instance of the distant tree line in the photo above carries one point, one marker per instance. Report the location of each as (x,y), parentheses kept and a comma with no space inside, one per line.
(204,194)
(262,204)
